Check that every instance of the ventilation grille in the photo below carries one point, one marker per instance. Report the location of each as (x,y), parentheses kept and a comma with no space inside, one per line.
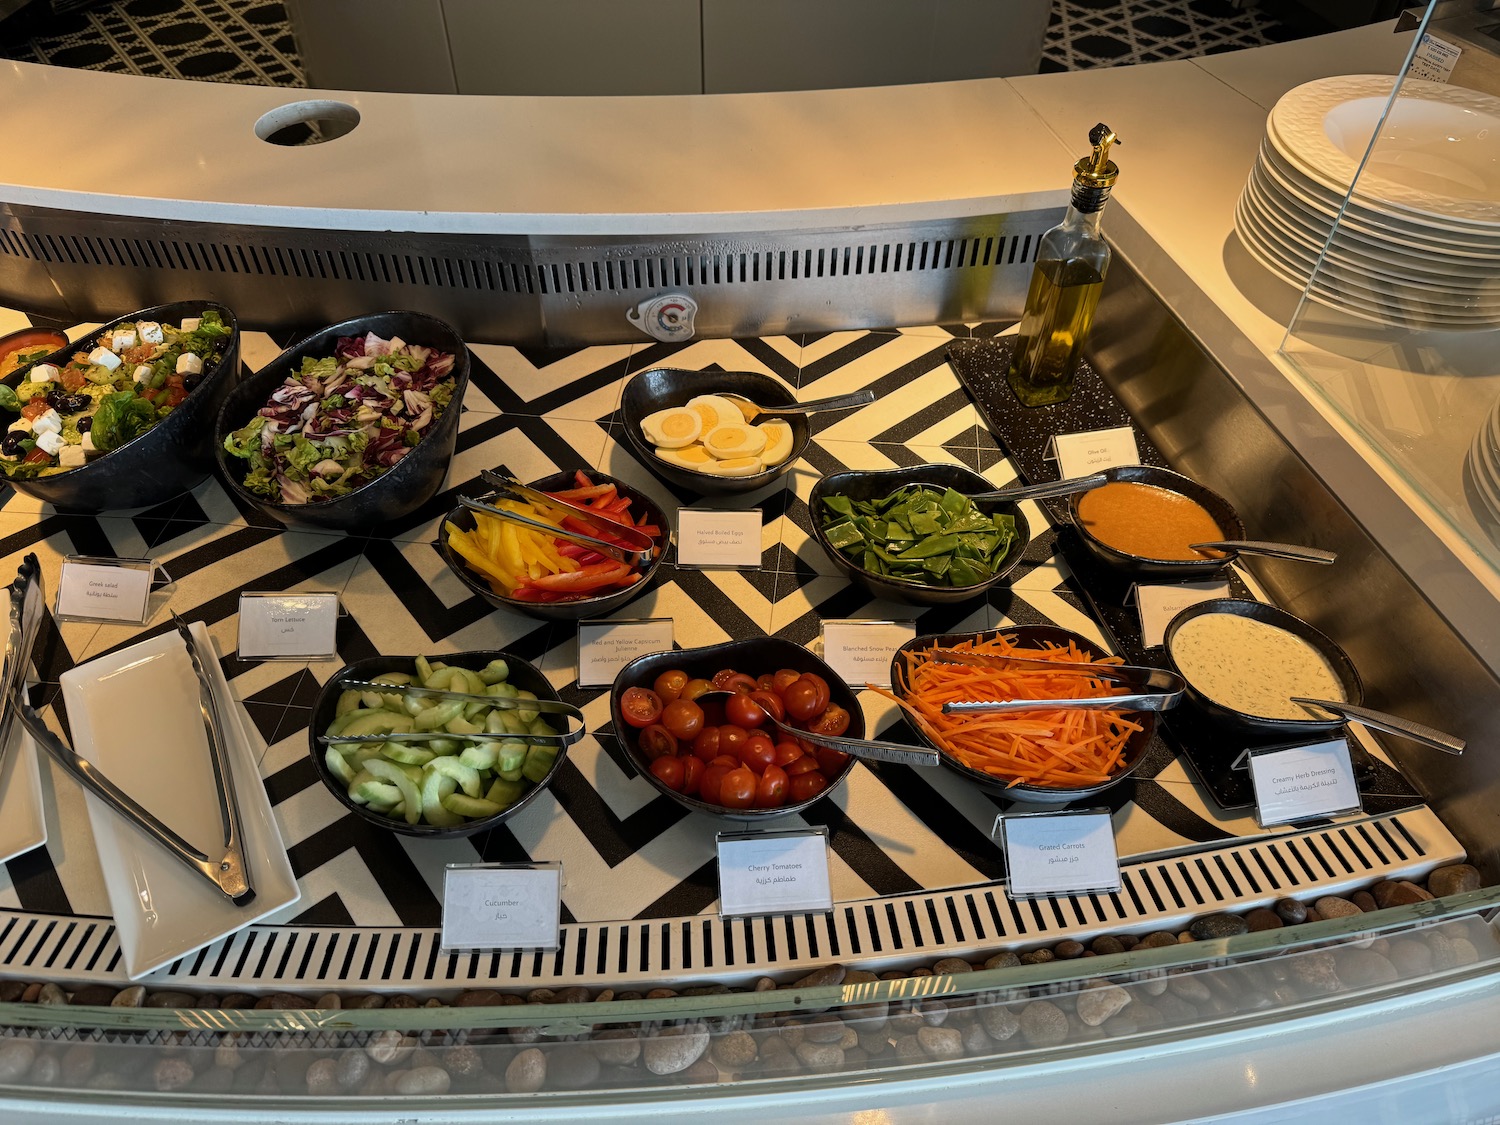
(877,933)
(497,275)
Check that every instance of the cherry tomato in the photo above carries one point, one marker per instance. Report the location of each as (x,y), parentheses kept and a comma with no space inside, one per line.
(710,785)
(731,738)
(639,706)
(824,694)
(805,764)
(834,720)
(758,752)
(35,408)
(743,711)
(706,744)
(38,456)
(771,792)
(695,687)
(670,683)
(692,772)
(785,678)
(655,741)
(801,700)
(770,703)
(684,718)
(787,752)
(721,678)
(830,761)
(738,681)
(766,682)
(807,785)
(668,771)
(737,790)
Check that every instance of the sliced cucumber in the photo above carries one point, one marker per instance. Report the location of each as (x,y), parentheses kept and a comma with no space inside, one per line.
(479,757)
(348,701)
(466,777)
(377,722)
(470,806)
(338,766)
(389,771)
(406,753)
(434,789)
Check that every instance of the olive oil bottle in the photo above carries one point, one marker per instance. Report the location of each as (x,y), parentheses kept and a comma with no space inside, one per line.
(1071,263)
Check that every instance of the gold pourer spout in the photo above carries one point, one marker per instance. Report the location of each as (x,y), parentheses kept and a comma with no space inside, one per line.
(1097,169)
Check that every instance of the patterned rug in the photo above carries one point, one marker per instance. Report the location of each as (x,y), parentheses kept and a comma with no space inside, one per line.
(250,41)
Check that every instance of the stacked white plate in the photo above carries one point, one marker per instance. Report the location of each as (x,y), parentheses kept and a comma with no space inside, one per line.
(1419,244)
(1484,462)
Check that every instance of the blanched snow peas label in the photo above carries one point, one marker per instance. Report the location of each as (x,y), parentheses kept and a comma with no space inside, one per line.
(1080,454)
(1295,783)
(604,647)
(718,537)
(774,873)
(1059,853)
(501,906)
(104,590)
(285,626)
(860,651)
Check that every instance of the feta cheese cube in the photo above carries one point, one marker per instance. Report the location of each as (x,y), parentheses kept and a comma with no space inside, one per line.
(150,331)
(122,337)
(142,372)
(190,323)
(20,426)
(189,364)
(50,442)
(103,357)
(48,423)
(44,373)
(71,456)
(87,444)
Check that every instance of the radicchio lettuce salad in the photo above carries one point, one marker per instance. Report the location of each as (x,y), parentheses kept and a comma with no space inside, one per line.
(343,420)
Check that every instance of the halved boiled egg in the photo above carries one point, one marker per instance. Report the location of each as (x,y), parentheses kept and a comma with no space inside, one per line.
(715,410)
(778,441)
(734,467)
(734,440)
(673,427)
(692,456)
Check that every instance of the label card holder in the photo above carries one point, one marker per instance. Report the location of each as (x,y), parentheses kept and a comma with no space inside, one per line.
(283,626)
(1069,852)
(774,873)
(604,647)
(718,537)
(1157,605)
(1302,781)
(105,589)
(501,906)
(860,650)
(1078,455)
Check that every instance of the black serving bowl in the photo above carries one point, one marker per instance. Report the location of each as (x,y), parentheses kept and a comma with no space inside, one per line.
(578,608)
(875,484)
(522,674)
(1030,636)
(410,483)
(753,656)
(1243,721)
(661,387)
(171,457)
(27,339)
(1219,508)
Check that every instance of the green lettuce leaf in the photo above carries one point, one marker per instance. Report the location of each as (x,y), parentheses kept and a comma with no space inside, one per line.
(120,418)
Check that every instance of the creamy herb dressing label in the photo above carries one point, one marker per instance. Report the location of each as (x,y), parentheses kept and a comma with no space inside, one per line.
(1059,853)
(288,626)
(1081,454)
(501,906)
(604,647)
(1295,783)
(708,537)
(774,873)
(860,651)
(104,589)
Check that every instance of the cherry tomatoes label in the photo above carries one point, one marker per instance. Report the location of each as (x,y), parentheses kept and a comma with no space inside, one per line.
(656,740)
(670,683)
(683,718)
(640,707)
(669,772)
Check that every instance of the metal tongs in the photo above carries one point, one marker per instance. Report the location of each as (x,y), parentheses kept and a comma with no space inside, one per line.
(545,706)
(1154,689)
(229,873)
(27,602)
(638,547)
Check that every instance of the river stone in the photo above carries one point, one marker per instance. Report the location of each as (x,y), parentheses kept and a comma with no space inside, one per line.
(1358,967)
(1095,1005)
(16,1058)
(820,1058)
(390,1047)
(234,1000)
(1037,957)
(526,1072)
(1212,926)
(776,1057)
(1043,1023)
(462,1061)
(859,976)
(172,1074)
(329,1002)
(1364,900)
(674,1048)
(169,999)
(1005,960)
(94,996)
(352,1068)
(1455,879)
(29,995)
(1161,939)
(12,990)
(1105,946)
(422,1080)
(577,994)
(735,1050)
(942,1043)
(909,1049)
(322,1077)
(1464,951)
(78,1063)
(1068,950)
(215,1080)
(402,1000)
(1189,988)
(824,1029)
(1397,892)
(52,996)
(949,965)
(1000,1021)
(701,1073)
(1292,912)
(283,1002)
(1263,918)
(828,974)
(1316,971)
(616,1046)
(479,998)
(1412,958)
(1332,906)
(571,1067)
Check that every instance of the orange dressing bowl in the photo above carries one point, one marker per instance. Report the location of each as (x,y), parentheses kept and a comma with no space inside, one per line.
(1147,516)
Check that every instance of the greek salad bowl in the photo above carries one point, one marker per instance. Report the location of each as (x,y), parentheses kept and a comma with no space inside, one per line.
(351,428)
(123,418)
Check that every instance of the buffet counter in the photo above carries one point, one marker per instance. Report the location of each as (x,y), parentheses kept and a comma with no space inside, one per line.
(921,935)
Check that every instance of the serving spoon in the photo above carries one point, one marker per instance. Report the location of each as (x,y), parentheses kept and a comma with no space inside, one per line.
(1391,724)
(752,410)
(1294,551)
(866,748)
(1065,487)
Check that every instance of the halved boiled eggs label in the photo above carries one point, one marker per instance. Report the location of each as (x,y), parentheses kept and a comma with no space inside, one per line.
(710,537)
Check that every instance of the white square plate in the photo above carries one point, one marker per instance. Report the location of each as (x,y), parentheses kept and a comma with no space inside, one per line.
(135,714)
(22,825)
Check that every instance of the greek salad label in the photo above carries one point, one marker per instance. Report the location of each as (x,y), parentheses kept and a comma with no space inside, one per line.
(104,590)
(283,626)
(1059,853)
(604,647)
(1078,455)
(1159,604)
(860,651)
(501,906)
(719,537)
(774,873)
(1295,783)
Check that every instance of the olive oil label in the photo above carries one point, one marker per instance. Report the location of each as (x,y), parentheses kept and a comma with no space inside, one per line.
(1078,455)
